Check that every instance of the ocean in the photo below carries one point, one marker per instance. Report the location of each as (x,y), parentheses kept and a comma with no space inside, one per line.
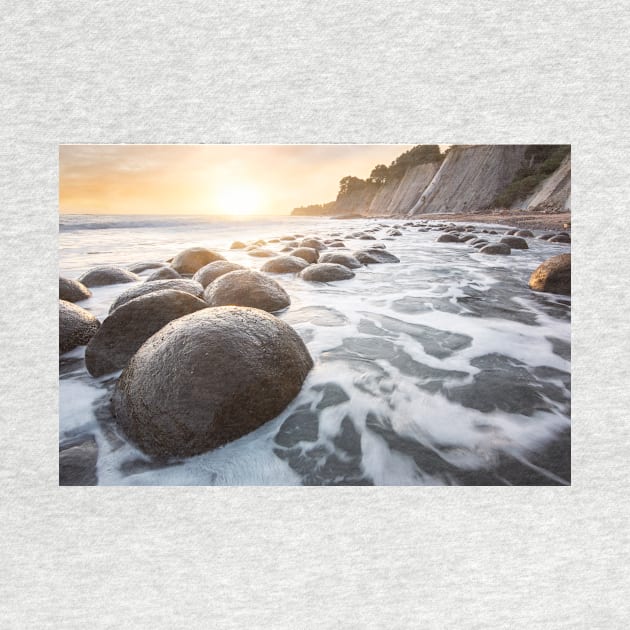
(442,369)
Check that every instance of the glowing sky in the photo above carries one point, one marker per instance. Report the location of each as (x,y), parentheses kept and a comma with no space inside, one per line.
(209,179)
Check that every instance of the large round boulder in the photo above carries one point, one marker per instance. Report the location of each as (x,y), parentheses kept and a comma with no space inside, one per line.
(143,266)
(261,252)
(553,276)
(76,326)
(215,269)
(209,378)
(247,288)
(309,254)
(447,238)
(326,272)
(515,242)
(72,290)
(238,245)
(107,274)
(525,233)
(560,238)
(163,273)
(181,284)
(496,249)
(284,264)
(338,258)
(130,325)
(193,259)
(374,256)
(313,243)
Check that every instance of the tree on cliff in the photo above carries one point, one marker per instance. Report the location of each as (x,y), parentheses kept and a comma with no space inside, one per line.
(378,175)
(350,184)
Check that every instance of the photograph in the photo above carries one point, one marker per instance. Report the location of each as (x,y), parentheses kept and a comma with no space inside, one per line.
(315,314)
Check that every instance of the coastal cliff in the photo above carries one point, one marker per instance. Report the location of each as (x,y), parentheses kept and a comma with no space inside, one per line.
(469,178)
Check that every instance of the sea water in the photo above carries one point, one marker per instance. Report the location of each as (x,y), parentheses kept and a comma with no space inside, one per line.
(442,369)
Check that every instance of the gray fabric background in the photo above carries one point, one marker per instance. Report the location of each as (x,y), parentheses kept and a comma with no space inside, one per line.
(295,72)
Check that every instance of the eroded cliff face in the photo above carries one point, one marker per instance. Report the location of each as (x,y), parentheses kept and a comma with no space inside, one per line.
(554,193)
(398,197)
(470,178)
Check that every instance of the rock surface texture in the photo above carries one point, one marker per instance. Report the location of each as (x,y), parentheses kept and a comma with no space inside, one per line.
(209,378)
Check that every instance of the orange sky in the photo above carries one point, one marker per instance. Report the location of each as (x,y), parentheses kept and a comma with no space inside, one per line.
(209,179)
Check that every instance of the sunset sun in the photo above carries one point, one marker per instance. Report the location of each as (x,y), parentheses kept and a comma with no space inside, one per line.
(238,200)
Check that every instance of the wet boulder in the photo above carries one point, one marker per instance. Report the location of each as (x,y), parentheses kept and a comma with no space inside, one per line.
(525,233)
(560,238)
(326,272)
(496,249)
(261,252)
(309,254)
(107,274)
(553,276)
(238,245)
(247,288)
(207,379)
(515,242)
(143,266)
(546,236)
(73,290)
(130,325)
(337,244)
(164,273)
(337,258)
(285,264)
(214,270)
(447,238)
(194,258)
(313,243)
(76,326)
(182,284)
(77,463)
(375,256)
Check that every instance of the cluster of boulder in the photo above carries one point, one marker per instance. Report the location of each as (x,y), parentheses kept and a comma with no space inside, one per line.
(203,362)
(552,276)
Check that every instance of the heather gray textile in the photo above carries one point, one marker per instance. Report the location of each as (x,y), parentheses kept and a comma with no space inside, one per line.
(297,72)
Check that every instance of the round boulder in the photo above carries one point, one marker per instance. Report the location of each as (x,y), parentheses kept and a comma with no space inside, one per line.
(76,326)
(143,266)
(326,272)
(347,260)
(447,238)
(375,256)
(524,233)
(515,242)
(337,244)
(193,259)
(247,288)
(285,264)
(313,243)
(261,252)
(553,276)
(546,236)
(238,245)
(130,325)
(209,378)
(560,238)
(182,284)
(500,249)
(309,254)
(72,290)
(164,273)
(107,274)
(214,270)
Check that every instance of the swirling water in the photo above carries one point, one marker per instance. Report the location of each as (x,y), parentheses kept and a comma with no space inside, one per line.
(442,369)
